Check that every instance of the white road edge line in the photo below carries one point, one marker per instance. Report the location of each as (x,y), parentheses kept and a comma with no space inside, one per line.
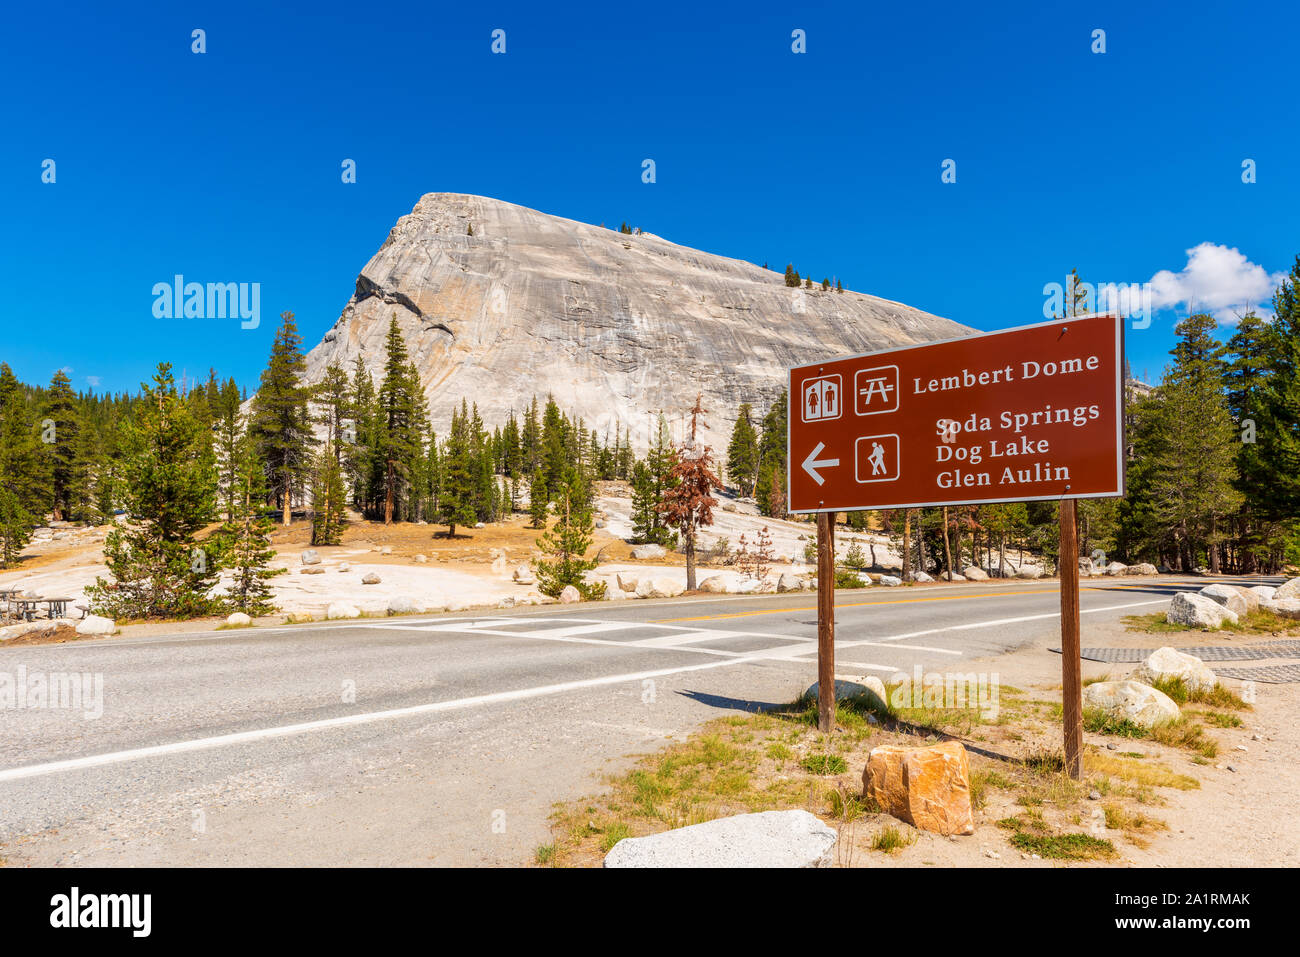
(263,734)
(993,622)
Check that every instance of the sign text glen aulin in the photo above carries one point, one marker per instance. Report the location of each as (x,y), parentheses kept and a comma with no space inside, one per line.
(1029,413)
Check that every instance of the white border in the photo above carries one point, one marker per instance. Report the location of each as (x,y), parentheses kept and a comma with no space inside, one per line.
(1120,415)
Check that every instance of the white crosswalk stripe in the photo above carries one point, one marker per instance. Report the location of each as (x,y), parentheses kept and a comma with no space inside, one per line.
(586,630)
(687,637)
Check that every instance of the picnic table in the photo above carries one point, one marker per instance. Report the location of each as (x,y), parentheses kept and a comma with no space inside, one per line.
(27,608)
(6,594)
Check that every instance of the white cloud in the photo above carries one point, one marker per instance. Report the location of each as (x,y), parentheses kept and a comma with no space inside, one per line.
(93,380)
(1219,280)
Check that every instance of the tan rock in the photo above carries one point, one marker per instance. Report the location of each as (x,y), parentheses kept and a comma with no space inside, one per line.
(1283,607)
(1252,599)
(928,787)
(1198,611)
(1289,590)
(1230,597)
(1131,700)
(1165,663)
(659,588)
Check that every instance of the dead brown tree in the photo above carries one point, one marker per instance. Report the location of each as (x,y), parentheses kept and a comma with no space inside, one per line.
(689,503)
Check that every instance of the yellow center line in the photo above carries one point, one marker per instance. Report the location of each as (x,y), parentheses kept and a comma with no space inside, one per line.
(893,601)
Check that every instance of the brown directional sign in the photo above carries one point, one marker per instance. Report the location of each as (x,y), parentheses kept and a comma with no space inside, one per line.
(1028,413)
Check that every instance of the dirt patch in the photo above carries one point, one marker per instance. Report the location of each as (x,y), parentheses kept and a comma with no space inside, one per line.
(55,634)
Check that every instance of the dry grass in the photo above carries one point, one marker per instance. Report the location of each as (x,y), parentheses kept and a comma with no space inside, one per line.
(1255,623)
(1216,697)
(891,838)
(1137,772)
(778,760)
(1032,834)
(1136,826)
(1183,732)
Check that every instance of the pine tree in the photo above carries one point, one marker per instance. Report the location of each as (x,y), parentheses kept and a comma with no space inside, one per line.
(530,441)
(644,499)
(21,497)
(1280,399)
(742,452)
(228,434)
(362,451)
(1078,297)
(334,394)
(159,568)
(624,458)
(103,436)
(1181,480)
(401,408)
(791,277)
(432,476)
(770,487)
(556,449)
(16,525)
(538,502)
(567,542)
(61,431)
(651,480)
(327,498)
(281,422)
(512,459)
(1262,528)
(246,538)
(88,460)
(456,502)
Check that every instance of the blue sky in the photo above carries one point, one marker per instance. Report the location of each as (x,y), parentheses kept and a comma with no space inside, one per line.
(225,166)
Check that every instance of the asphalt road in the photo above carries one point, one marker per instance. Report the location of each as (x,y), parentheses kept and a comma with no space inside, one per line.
(437,739)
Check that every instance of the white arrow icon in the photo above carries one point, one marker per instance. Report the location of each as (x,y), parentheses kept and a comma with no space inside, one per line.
(811,464)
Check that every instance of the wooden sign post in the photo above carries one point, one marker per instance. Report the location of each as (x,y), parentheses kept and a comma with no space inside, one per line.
(825,621)
(1071,675)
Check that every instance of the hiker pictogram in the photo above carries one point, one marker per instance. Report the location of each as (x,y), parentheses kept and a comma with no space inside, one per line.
(876,458)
